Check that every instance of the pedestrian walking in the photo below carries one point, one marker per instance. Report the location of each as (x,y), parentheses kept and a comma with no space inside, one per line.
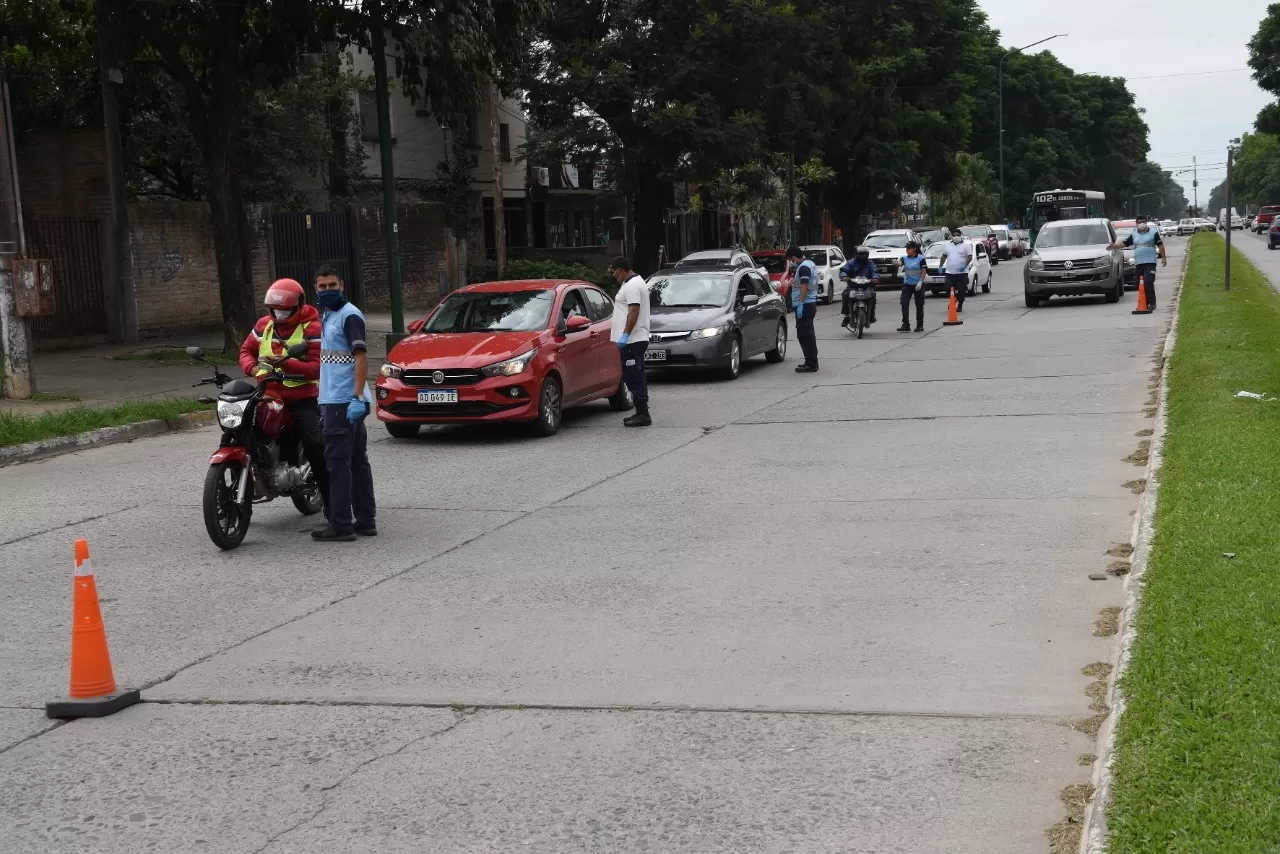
(344,404)
(956,259)
(804,296)
(912,268)
(1147,247)
(630,331)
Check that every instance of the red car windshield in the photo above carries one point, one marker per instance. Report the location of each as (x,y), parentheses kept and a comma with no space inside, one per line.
(480,311)
(973,231)
(775,264)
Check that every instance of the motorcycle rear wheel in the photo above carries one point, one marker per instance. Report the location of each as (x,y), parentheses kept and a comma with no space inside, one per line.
(307,499)
(226,521)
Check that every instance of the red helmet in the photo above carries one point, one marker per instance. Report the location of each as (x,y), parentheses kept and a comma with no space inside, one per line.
(285,294)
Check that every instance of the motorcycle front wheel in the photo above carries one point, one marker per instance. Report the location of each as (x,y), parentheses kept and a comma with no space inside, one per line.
(226,520)
(860,320)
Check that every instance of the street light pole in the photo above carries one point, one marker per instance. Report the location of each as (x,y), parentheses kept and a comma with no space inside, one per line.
(1000,107)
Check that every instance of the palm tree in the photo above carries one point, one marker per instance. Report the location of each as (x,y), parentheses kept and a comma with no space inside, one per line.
(973,195)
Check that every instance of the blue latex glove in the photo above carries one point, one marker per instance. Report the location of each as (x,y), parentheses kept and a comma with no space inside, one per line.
(799,310)
(357,409)
(623,340)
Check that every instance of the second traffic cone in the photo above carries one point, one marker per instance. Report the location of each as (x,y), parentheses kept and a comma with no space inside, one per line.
(953,319)
(93,691)
(1142,298)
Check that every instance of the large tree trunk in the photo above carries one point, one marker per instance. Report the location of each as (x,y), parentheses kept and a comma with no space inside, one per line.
(232,244)
(499,209)
(649,210)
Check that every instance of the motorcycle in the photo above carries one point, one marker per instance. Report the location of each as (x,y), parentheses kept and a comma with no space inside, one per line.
(860,293)
(249,468)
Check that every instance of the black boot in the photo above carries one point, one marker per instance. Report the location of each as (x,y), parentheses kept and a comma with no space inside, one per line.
(905,327)
(844,324)
(639,419)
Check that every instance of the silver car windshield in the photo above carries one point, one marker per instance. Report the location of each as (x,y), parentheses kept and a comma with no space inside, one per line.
(692,290)
(1085,234)
(885,241)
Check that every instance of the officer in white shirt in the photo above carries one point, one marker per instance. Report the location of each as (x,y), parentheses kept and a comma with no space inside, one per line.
(956,259)
(630,332)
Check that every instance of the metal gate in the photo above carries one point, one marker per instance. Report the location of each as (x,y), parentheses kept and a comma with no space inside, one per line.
(301,242)
(75,246)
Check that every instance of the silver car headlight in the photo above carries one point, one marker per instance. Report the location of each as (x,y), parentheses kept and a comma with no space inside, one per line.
(510,367)
(231,413)
(1034,263)
(708,332)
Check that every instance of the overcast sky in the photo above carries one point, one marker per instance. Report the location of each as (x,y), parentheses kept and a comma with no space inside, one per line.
(1189,116)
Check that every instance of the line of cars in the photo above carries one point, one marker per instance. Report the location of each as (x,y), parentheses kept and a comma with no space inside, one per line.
(1193,224)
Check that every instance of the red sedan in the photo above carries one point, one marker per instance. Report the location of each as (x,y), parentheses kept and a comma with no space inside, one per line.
(504,351)
(775,261)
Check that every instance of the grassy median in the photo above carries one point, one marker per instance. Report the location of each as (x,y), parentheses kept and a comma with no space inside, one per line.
(18,429)
(1198,747)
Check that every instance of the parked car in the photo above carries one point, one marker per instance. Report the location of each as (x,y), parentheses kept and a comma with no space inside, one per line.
(1168,226)
(979,269)
(1025,240)
(1004,242)
(1207,224)
(1187,226)
(1123,229)
(717,258)
(1273,234)
(885,248)
(931,234)
(1266,214)
(988,236)
(828,259)
(774,263)
(1071,258)
(504,351)
(713,319)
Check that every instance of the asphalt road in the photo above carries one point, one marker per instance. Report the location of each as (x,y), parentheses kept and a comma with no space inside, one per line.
(1254,246)
(842,612)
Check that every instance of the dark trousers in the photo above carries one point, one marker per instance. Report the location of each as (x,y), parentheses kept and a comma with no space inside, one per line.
(346,450)
(1146,274)
(633,374)
(805,334)
(959,281)
(909,292)
(306,423)
(844,303)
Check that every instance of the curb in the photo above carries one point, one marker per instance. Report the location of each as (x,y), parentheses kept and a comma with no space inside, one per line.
(1093,835)
(60,445)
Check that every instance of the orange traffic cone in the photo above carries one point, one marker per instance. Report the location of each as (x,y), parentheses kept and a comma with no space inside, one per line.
(93,687)
(953,319)
(1142,298)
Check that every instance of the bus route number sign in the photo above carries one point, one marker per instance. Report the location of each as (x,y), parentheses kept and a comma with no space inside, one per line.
(1044,198)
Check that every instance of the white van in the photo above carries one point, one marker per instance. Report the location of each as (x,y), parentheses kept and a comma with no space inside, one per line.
(1237,221)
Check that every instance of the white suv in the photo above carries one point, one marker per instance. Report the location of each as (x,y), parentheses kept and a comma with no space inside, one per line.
(828,259)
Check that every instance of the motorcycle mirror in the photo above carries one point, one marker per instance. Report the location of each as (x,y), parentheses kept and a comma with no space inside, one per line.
(195,352)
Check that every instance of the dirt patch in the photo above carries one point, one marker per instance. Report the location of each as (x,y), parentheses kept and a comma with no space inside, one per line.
(1064,837)
(1140,456)
(1137,487)
(1097,689)
(1119,567)
(1090,726)
(1149,412)
(1086,759)
(1143,433)
(1108,622)
(1120,550)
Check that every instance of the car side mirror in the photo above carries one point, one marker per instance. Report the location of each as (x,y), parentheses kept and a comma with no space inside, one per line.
(576,323)
(750,300)
(415,326)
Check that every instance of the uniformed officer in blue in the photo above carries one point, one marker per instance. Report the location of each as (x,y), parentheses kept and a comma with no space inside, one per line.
(1147,246)
(344,404)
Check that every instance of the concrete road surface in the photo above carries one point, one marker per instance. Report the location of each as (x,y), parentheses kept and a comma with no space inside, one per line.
(1254,246)
(839,612)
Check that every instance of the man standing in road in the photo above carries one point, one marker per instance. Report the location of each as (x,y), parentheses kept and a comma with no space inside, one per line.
(630,331)
(804,296)
(1147,245)
(344,404)
(956,259)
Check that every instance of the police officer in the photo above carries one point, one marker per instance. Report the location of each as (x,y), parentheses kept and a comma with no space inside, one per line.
(859,266)
(911,266)
(804,296)
(1147,245)
(344,403)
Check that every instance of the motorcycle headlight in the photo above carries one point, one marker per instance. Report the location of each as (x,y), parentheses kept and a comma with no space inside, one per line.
(1102,261)
(231,413)
(510,367)
(709,332)
(1129,262)
(392,371)
(1034,263)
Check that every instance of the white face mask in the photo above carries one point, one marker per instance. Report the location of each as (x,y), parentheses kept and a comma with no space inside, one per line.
(957,239)
(281,314)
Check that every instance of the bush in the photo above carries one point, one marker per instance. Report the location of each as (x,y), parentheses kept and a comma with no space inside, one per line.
(487,271)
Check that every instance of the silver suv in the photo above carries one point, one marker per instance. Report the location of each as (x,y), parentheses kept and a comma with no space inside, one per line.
(1071,258)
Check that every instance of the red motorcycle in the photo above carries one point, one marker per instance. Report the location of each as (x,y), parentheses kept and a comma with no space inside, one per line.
(259,458)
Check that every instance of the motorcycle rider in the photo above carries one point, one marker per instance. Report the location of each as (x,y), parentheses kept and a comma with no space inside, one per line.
(859,266)
(912,268)
(291,320)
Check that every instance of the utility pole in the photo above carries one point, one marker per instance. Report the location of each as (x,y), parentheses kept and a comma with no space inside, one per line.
(1195,184)
(1230,154)
(1000,106)
(14,338)
(499,206)
(124,323)
(791,198)
(378,47)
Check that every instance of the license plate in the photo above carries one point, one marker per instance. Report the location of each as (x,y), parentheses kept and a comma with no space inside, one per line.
(655,355)
(438,395)
(937,280)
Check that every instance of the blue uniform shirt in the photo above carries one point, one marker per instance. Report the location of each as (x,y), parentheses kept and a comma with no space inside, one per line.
(912,270)
(342,336)
(806,273)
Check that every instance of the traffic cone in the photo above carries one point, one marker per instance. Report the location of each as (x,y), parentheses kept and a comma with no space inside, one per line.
(1142,297)
(93,691)
(953,319)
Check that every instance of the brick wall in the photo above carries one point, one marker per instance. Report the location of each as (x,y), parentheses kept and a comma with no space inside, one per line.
(424,255)
(64,174)
(174,270)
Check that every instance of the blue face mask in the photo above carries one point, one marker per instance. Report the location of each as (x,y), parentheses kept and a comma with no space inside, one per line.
(330,300)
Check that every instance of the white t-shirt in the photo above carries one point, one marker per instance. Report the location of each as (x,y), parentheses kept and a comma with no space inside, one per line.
(958,256)
(634,291)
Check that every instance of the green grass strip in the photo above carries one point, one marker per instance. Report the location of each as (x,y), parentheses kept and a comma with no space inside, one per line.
(18,429)
(1197,761)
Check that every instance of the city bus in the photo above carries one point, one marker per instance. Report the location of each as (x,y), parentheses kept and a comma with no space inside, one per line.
(1064,204)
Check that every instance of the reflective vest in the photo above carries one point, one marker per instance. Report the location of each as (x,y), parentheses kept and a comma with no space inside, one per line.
(266,348)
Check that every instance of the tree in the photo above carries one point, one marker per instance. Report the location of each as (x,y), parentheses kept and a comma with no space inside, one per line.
(973,194)
(1157,194)
(1256,176)
(48,56)
(1264,51)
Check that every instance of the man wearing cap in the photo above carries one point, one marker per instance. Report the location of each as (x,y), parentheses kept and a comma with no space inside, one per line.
(804,296)
(1147,247)
(630,331)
